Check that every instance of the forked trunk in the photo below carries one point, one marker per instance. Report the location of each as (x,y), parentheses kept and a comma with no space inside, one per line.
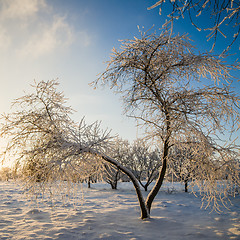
(113,185)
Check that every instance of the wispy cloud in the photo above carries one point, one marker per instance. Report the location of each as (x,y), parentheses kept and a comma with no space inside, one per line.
(32,28)
(48,37)
(5,39)
(15,9)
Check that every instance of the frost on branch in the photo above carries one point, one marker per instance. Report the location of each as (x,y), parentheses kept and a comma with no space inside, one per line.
(48,145)
(120,151)
(184,100)
(204,170)
(145,162)
(223,17)
(53,150)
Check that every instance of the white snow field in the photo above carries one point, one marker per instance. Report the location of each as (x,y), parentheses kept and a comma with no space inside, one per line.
(114,214)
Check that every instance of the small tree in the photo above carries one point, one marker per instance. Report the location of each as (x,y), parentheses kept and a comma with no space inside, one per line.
(112,175)
(47,143)
(41,131)
(144,162)
(6,173)
(184,159)
(178,95)
(120,151)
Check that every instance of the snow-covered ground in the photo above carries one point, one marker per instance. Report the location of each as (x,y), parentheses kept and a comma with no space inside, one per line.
(102,213)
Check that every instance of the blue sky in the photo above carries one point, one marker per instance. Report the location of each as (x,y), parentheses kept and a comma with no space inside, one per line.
(70,40)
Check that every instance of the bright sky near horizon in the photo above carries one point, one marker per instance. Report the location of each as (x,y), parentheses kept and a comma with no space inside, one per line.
(71,40)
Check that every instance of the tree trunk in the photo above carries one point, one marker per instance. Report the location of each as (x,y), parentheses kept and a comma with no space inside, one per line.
(157,186)
(114,184)
(161,176)
(89,182)
(144,210)
(145,186)
(186,186)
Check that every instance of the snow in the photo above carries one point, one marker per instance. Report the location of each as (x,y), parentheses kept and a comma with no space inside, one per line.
(102,213)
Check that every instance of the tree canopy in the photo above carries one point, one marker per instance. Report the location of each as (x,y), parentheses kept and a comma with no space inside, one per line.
(220,14)
(181,98)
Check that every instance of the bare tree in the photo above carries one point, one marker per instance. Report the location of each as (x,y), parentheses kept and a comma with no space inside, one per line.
(111,176)
(45,139)
(138,157)
(41,129)
(120,151)
(144,162)
(184,159)
(6,173)
(221,15)
(177,95)
(41,132)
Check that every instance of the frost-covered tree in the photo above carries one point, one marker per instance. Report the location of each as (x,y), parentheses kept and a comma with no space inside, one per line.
(183,161)
(40,130)
(221,15)
(41,134)
(6,173)
(177,95)
(120,151)
(144,162)
(47,143)
(138,157)
(111,176)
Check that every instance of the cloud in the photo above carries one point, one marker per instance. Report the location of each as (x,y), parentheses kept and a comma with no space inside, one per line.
(48,37)
(15,9)
(5,39)
(32,28)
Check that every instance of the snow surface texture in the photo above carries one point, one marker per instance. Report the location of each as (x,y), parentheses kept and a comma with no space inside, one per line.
(114,214)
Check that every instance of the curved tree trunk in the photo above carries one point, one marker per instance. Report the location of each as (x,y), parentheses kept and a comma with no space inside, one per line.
(143,207)
(160,179)
(157,185)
